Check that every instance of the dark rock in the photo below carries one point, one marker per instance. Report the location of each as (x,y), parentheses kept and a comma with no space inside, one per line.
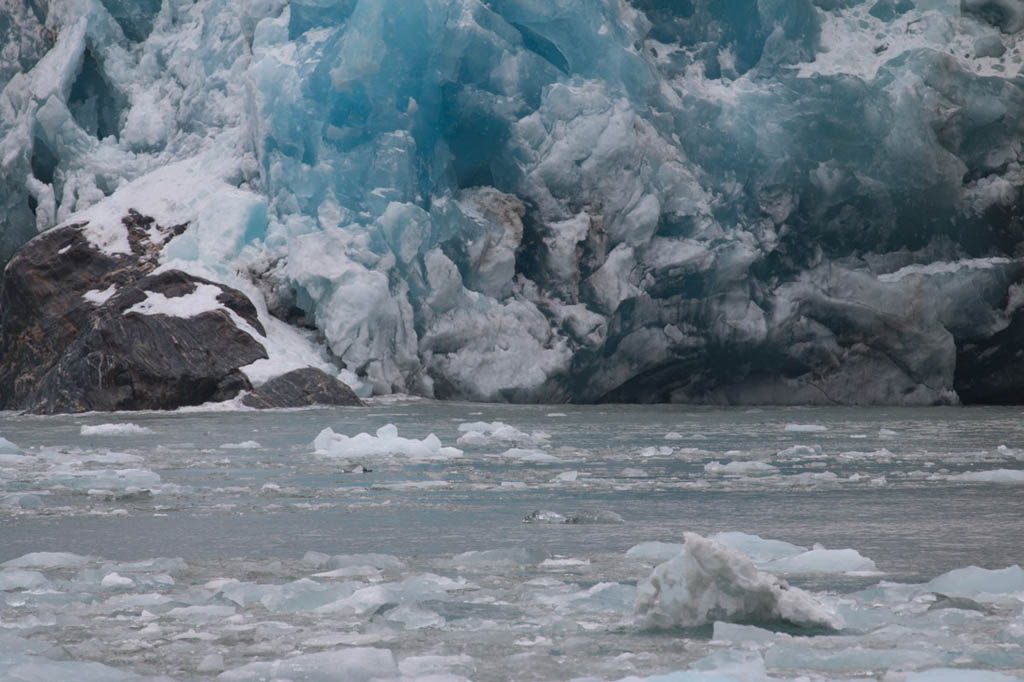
(301,388)
(62,352)
(990,370)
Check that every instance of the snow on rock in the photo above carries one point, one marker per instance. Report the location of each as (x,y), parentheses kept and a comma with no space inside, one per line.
(385,442)
(202,300)
(708,581)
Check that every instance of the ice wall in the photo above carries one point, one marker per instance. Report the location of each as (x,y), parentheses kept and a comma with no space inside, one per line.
(770,201)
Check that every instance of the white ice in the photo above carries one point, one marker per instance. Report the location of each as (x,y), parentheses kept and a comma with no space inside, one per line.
(385,442)
(117,429)
(708,581)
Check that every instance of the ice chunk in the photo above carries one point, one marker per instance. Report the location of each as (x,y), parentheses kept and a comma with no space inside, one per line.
(655,550)
(544,516)
(22,500)
(7,447)
(759,549)
(708,581)
(958,675)
(732,632)
(299,595)
(114,580)
(356,664)
(386,442)
(243,445)
(18,579)
(530,455)
(417,588)
(740,468)
(975,581)
(805,428)
(993,476)
(383,562)
(487,433)
(822,561)
(584,517)
(517,556)
(47,560)
(119,429)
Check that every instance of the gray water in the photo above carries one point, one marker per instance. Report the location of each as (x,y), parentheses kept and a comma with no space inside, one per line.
(887,483)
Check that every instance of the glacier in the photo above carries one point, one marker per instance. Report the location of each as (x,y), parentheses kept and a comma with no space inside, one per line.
(774,201)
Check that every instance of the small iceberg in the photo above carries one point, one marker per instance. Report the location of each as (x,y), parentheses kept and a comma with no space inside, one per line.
(584,517)
(708,582)
(386,442)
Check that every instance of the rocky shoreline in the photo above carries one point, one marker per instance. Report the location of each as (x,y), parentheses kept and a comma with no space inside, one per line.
(85,327)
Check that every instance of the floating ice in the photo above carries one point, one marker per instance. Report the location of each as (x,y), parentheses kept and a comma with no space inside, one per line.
(976,581)
(740,468)
(414,589)
(530,455)
(800,452)
(47,560)
(993,476)
(7,447)
(760,550)
(107,479)
(242,445)
(18,579)
(708,581)
(805,428)
(655,550)
(386,442)
(299,595)
(822,561)
(356,664)
(115,580)
(959,675)
(516,556)
(119,429)
(483,434)
(584,517)
(381,562)
(22,500)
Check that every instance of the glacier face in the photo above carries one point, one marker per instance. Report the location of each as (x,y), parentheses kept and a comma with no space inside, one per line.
(756,201)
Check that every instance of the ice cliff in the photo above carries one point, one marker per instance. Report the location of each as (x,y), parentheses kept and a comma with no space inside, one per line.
(693,200)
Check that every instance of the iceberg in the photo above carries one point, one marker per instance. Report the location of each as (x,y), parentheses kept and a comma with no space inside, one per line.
(385,442)
(775,202)
(709,582)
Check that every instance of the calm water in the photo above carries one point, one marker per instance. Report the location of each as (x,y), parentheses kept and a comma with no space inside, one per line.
(213,543)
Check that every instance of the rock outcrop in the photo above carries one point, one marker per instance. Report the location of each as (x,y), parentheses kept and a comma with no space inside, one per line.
(87,327)
(302,388)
